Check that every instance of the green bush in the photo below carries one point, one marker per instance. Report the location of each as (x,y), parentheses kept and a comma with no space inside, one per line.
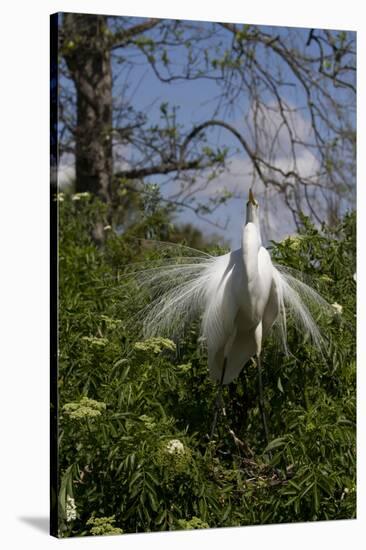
(134,414)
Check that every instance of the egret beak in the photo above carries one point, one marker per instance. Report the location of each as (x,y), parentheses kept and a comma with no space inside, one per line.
(252,199)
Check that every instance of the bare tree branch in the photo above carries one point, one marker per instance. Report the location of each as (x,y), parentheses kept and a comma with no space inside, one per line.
(122,38)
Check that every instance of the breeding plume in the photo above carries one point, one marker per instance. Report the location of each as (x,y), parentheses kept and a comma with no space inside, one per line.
(239,297)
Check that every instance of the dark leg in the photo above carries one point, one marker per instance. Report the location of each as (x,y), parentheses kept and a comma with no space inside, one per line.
(261,401)
(218,400)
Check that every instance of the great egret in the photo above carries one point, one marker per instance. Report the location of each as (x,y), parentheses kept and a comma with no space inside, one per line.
(239,295)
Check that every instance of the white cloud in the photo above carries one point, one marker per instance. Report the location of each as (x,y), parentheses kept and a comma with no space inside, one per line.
(65,175)
(66,170)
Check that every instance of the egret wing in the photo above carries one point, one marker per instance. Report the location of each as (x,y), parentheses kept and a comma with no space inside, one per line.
(243,345)
(185,289)
(301,303)
(222,300)
(273,306)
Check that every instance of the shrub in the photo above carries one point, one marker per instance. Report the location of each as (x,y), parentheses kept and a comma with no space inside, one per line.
(134,414)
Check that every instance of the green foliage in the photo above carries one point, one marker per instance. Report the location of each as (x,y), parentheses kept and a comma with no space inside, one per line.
(155,345)
(103,526)
(135,414)
(85,408)
(194,523)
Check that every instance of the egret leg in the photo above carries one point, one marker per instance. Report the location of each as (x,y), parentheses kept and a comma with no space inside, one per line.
(218,400)
(261,401)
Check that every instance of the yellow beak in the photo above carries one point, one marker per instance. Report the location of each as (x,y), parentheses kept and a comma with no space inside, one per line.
(251,198)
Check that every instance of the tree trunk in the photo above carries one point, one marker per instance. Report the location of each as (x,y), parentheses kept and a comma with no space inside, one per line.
(86,51)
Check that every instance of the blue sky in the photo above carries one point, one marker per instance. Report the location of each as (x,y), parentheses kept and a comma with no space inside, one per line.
(197,101)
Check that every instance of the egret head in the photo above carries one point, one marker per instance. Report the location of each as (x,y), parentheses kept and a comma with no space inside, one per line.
(252,209)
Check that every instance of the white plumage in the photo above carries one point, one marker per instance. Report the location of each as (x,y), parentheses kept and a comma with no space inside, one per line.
(239,295)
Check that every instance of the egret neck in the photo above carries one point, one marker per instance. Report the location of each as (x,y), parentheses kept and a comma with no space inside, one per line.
(250,245)
(251,238)
(253,215)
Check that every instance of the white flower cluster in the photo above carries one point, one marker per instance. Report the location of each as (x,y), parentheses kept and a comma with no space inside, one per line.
(174,446)
(79,196)
(70,509)
(337,308)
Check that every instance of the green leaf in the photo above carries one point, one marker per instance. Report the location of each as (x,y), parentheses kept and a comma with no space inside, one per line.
(279,385)
(278,442)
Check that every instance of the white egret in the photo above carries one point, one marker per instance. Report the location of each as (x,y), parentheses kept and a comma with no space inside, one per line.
(240,296)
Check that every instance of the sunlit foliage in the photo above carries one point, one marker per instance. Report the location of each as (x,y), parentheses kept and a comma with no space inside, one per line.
(134,415)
